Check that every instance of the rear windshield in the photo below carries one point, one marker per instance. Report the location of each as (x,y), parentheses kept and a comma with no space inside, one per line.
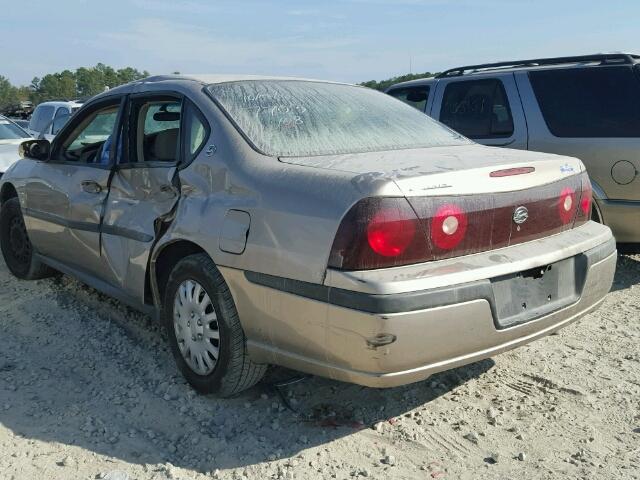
(289,118)
(10,131)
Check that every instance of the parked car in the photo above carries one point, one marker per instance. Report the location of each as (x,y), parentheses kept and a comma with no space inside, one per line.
(320,226)
(49,117)
(21,122)
(11,135)
(585,106)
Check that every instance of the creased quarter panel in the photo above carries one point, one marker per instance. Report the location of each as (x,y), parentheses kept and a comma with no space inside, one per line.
(294,210)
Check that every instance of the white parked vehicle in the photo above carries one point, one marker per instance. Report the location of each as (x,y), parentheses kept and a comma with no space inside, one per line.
(49,117)
(11,135)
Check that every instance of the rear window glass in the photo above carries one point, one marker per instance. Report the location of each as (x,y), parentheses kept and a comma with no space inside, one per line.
(414,96)
(10,131)
(298,118)
(589,102)
(477,109)
(41,117)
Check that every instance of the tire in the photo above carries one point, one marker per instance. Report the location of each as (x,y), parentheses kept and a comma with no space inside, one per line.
(16,247)
(232,371)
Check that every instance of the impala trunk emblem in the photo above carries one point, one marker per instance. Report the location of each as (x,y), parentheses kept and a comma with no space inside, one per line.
(520,215)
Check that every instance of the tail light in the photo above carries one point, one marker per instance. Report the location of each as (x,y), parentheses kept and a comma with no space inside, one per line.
(583,215)
(448,227)
(390,232)
(379,233)
(567,205)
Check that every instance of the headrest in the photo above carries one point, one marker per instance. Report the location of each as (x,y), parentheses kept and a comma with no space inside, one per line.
(165,146)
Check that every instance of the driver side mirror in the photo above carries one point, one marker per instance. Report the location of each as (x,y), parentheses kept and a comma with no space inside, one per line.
(35,149)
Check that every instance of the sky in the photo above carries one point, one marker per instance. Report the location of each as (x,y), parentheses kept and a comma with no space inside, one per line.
(344,40)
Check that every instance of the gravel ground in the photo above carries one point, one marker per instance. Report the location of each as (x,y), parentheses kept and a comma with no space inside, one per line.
(88,389)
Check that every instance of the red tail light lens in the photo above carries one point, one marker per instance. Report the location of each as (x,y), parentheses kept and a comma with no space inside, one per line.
(379,233)
(586,202)
(448,227)
(567,205)
(389,235)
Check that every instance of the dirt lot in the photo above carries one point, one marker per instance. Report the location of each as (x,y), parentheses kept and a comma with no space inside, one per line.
(88,390)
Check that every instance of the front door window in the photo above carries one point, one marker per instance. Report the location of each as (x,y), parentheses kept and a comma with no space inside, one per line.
(91,140)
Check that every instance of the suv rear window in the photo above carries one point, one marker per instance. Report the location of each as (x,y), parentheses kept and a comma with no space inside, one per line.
(414,96)
(477,109)
(589,102)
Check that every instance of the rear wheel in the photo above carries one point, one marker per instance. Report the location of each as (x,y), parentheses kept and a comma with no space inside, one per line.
(206,338)
(15,244)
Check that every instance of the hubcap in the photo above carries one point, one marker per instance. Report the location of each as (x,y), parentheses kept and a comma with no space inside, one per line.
(19,241)
(196,326)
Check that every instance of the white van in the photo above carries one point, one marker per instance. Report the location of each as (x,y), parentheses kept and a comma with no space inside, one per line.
(49,117)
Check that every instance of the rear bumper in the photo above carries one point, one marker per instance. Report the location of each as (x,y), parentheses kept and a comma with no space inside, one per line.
(623,217)
(390,339)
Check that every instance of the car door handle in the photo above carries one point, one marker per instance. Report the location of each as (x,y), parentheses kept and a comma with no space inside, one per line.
(91,186)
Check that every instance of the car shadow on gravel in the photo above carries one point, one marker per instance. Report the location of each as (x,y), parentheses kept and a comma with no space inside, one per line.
(627,272)
(80,369)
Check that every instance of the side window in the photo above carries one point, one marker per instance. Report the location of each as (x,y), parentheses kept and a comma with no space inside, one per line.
(90,141)
(41,117)
(155,133)
(34,118)
(414,96)
(477,109)
(59,121)
(589,102)
(196,131)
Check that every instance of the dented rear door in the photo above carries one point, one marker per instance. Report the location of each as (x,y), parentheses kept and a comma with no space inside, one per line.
(144,189)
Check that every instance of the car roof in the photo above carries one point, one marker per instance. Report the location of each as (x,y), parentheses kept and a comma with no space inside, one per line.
(412,83)
(580,61)
(209,79)
(199,81)
(61,103)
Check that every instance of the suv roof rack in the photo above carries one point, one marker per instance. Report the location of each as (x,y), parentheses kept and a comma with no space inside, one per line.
(603,58)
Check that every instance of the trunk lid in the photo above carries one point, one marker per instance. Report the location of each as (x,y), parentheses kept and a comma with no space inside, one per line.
(449,170)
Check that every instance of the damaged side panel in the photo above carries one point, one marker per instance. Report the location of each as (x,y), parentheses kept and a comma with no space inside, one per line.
(139,201)
(223,194)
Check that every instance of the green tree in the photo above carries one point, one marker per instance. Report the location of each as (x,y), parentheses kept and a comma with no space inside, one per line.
(89,82)
(58,86)
(7,93)
(68,85)
(384,84)
(128,74)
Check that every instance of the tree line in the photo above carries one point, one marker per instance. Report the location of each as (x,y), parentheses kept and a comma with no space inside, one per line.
(67,85)
(85,82)
(382,85)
